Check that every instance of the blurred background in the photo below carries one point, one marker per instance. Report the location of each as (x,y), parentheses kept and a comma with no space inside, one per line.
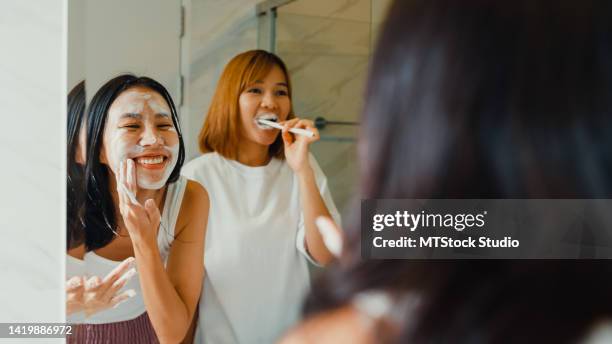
(185,44)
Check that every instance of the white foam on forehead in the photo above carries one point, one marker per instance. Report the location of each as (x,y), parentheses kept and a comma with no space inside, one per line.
(155,105)
(158,108)
(140,94)
(132,107)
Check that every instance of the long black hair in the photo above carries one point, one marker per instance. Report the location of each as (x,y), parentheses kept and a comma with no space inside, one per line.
(486,99)
(75,189)
(100,220)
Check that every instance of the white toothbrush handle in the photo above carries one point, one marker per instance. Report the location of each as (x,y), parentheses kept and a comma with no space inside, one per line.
(296,131)
(302,132)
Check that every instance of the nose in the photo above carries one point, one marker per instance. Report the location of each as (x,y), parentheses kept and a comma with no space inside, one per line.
(151,136)
(268,101)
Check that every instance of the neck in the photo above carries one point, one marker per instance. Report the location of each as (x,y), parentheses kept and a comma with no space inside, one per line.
(252,154)
(145,194)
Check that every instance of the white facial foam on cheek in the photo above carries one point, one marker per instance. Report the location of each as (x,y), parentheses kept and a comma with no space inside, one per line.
(162,109)
(145,182)
(120,149)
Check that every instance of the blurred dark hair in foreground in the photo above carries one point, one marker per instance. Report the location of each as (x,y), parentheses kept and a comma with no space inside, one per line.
(486,99)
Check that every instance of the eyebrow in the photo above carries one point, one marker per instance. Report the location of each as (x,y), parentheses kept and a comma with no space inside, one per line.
(139,116)
(131,115)
(277,84)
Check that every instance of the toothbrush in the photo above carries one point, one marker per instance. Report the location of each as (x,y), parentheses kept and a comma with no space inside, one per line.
(296,131)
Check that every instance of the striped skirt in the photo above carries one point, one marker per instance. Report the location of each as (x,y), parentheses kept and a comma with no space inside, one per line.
(137,330)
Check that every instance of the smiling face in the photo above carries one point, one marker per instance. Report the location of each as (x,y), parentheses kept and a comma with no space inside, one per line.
(267,98)
(139,126)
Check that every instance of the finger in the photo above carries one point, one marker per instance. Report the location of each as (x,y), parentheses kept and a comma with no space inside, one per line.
(112,278)
(131,177)
(120,283)
(125,278)
(304,124)
(92,284)
(315,136)
(123,199)
(119,270)
(118,173)
(73,284)
(129,197)
(287,137)
(331,234)
(75,295)
(118,178)
(115,301)
(122,166)
(307,125)
(153,212)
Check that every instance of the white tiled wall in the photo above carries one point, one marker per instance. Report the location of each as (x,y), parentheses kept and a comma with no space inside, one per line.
(32,206)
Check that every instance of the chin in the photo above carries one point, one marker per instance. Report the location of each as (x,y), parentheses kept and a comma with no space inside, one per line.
(149,182)
(266,140)
(151,185)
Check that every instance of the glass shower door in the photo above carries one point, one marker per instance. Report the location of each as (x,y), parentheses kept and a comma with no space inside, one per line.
(326,46)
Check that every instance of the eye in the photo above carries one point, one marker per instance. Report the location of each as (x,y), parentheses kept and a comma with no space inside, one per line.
(255,90)
(282,93)
(130,126)
(165,126)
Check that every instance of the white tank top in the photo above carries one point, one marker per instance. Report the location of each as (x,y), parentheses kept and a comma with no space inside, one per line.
(96,265)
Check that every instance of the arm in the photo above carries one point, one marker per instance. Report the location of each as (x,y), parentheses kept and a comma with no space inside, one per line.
(171,298)
(313,206)
(190,336)
(170,295)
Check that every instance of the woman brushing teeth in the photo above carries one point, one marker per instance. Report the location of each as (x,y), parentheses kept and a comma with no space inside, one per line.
(266,191)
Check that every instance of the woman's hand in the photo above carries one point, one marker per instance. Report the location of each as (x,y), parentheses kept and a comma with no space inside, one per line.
(99,295)
(95,295)
(296,146)
(74,295)
(141,221)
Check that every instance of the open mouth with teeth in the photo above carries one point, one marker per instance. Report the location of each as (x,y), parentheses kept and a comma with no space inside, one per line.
(155,162)
(267,116)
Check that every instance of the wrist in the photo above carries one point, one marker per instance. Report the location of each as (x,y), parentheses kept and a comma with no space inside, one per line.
(305,172)
(145,247)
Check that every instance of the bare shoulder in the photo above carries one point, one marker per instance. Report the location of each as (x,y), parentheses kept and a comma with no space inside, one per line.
(194,209)
(341,325)
(77,252)
(195,193)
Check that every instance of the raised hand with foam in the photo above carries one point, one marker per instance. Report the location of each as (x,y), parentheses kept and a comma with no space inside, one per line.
(140,221)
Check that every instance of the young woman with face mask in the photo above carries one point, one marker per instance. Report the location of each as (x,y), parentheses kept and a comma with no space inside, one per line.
(266,191)
(138,206)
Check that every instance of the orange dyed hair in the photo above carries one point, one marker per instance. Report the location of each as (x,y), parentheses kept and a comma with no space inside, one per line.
(220,132)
